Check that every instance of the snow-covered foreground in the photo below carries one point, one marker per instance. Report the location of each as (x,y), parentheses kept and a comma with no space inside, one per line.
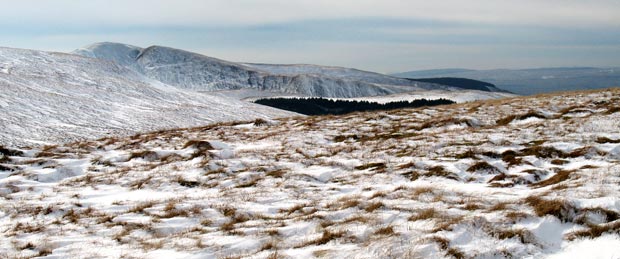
(521,177)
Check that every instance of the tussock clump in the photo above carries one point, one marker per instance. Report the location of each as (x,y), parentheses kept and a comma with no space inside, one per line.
(510,158)
(373,206)
(385,231)
(561,209)
(440,171)
(612,110)
(424,214)
(171,210)
(583,152)
(595,231)
(603,140)
(444,244)
(7,168)
(483,167)
(374,166)
(10,152)
(516,215)
(584,215)
(199,144)
(521,234)
(345,202)
(341,138)
(531,114)
(188,183)
(146,155)
(446,122)
(141,207)
(324,239)
(260,122)
(467,154)
(559,161)
(542,152)
(278,173)
(557,178)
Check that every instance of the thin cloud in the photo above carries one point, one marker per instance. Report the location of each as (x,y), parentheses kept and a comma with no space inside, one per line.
(251,12)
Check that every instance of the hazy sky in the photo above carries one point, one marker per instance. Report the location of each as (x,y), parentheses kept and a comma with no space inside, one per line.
(381,35)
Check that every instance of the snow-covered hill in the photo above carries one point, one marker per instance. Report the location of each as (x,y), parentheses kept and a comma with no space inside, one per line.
(54,97)
(525,177)
(198,72)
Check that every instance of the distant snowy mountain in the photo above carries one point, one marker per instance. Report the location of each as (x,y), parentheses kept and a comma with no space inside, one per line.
(53,97)
(533,81)
(194,71)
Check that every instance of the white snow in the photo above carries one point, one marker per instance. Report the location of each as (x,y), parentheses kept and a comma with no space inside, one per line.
(194,71)
(294,188)
(53,97)
(604,247)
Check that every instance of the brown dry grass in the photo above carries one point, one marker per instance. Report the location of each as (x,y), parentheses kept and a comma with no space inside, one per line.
(555,179)
(594,231)
(561,209)
(483,167)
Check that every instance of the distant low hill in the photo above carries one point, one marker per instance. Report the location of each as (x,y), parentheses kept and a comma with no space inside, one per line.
(459,82)
(532,81)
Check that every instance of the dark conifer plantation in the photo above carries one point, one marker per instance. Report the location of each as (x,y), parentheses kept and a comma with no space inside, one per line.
(322,106)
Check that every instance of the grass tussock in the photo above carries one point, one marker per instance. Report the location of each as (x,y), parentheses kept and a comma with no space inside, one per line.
(483,167)
(508,119)
(555,179)
(325,238)
(444,244)
(278,173)
(342,138)
(510,158)
(10,152)
(523,235)
(146,155)
(603,140)
(542,152)
(594,231)
(199,145)
(440,171)
(385,231)
(373,206)
(561,209)
(425,214)
(374,166)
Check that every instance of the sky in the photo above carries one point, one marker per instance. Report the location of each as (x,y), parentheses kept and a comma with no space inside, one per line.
(380,35)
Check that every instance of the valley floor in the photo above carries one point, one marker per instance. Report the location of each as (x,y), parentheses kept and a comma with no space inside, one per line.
(520,177)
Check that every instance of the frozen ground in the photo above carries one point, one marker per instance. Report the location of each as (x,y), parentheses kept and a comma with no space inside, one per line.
(522,177)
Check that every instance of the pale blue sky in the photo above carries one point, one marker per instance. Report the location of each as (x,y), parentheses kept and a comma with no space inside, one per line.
(384,36)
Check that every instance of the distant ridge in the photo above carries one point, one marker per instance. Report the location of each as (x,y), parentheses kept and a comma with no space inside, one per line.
(533,80)
(198,72)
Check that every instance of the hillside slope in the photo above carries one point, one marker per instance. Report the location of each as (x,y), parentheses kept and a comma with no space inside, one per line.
(54,97)
(513,178)
(198,72)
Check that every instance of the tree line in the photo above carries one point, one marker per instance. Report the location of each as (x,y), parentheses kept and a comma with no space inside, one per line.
(323,106)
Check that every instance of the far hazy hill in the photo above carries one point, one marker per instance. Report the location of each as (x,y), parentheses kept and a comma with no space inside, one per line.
(460,82)
(532,81)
